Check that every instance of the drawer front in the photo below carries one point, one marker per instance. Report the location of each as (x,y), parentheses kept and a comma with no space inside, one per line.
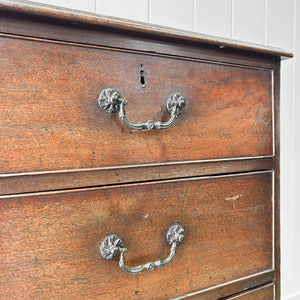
(50,241)
(51,120)
(263,293)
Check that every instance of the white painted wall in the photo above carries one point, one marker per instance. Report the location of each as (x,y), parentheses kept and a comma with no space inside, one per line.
(270,22)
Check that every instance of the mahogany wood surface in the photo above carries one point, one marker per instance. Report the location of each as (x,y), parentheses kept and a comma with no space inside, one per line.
(50,241)
(263,293)
(17,25)
(57,180)
(51,119)
(70,174)
(218,292)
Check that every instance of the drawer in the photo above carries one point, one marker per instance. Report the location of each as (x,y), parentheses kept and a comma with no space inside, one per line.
(51,120)
(262,293)
(50,241)
(265,292)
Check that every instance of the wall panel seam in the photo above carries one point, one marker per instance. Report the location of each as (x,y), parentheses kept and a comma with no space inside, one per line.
(265,21)
(97,6)
(232,19)
(195,15)
(149,11)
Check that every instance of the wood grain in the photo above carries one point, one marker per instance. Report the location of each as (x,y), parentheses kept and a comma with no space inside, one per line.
(55,141)
(27,27)
(57,180)
(50,118)
(219,291)
(263,293)
(50,241)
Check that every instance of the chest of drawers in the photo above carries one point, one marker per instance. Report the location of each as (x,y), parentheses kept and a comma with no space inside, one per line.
(81,165)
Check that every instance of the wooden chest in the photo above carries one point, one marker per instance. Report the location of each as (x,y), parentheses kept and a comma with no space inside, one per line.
(128,148)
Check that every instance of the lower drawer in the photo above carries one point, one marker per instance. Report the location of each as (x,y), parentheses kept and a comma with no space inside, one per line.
(262,293)
(50,241)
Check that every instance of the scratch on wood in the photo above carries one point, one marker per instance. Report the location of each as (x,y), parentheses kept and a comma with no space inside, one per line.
(185,195)
(233,199)
(183,201)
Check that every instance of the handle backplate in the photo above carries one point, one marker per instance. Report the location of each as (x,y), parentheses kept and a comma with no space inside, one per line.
(112,247)
(111,101)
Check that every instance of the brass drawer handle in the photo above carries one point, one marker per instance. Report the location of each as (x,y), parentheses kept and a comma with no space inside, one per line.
(110,101)
(112,247)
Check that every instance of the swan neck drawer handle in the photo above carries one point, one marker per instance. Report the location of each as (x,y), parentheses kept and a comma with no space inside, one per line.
(111,101)
(112,247)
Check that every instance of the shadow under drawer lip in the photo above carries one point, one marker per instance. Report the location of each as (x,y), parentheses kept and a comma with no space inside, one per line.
(257,283)
(66,179)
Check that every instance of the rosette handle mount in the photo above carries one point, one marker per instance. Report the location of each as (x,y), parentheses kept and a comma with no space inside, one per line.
(112,247)
(111,101)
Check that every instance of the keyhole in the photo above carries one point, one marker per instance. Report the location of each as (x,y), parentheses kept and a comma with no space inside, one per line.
(142,76)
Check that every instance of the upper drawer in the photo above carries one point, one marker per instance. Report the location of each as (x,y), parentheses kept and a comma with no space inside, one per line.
(50,118)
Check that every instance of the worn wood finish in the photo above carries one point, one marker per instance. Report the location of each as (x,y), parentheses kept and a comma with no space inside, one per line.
(51,120)
(49,241)
(262,293)
(46,181)
(138,28)
(29,27)
(265,292)
(230,288)
(72,174)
